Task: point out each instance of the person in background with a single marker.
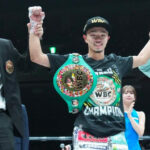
(145, 69)
(134, 120)
(11, 120)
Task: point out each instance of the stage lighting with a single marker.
(52, 49)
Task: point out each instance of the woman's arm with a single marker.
(139, 128)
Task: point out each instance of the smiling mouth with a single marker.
(98, 44)
(129, 99)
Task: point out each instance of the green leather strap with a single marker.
(74, 81)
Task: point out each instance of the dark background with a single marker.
(130, 21)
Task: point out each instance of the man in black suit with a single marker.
(11, 121)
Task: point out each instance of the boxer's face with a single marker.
(96, 38)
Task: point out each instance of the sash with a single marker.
(74, 81)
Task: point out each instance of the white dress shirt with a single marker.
(2, 99)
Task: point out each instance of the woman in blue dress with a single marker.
(134, 120)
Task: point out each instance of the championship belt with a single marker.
(74, 81)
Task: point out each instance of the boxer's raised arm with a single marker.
(35, 32)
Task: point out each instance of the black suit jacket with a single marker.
(11, 61)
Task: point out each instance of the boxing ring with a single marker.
(144, 140)
(66, 138)
(50, 138)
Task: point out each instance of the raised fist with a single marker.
(36, 15)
